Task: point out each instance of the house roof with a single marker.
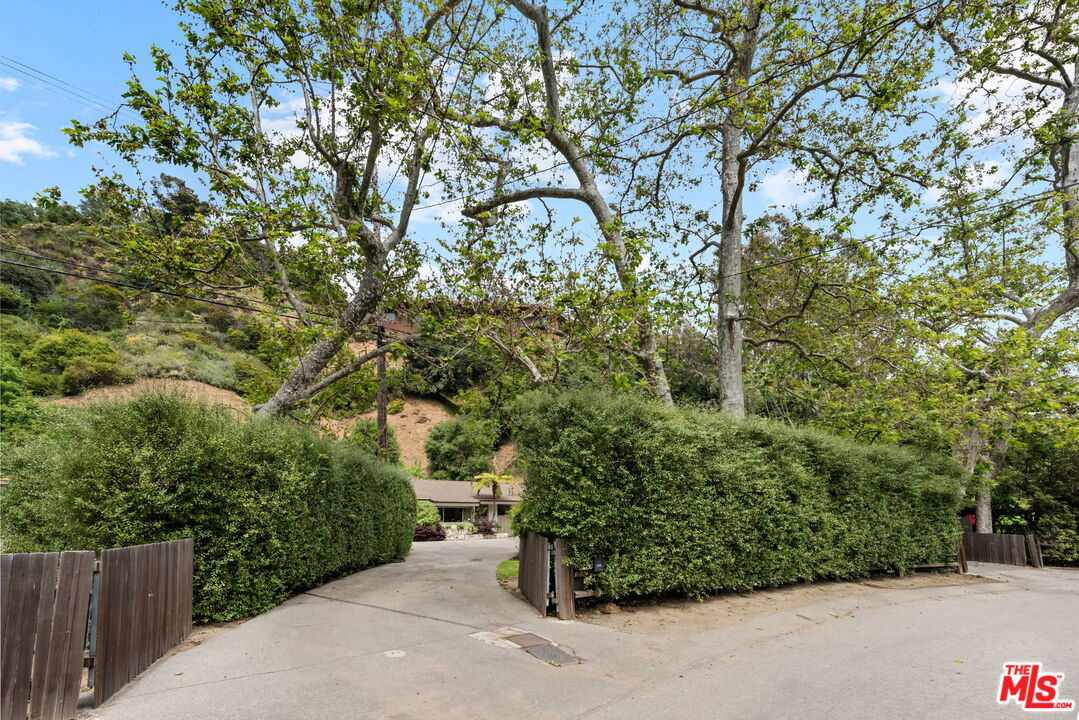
(461, 493)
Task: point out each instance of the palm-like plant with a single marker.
(494, 481)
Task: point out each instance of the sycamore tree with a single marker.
(536, 111)
(828, 89)
(312, 124)
(1001, 292)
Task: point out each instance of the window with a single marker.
(454, 514)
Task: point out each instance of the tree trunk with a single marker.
(729, 280)
(984, 511)
(297, 387)
(653, 365)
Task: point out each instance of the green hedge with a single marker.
(688, 501)
(274, 508)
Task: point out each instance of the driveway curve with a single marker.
(398, 642)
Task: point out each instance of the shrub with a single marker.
(485, 525)
(694, 502)
(429, 533)
(426, 513)
(42, 384)
(98, 307)
(35, 284)
(12, 301)
(245, 337)
(364, 436)
(18, 409)
(86, 373)
(460, 449)
(55, 351)
(219, 319)
(17, 335)
(273, 507)
(395, 406)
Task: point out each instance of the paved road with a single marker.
(395, 642)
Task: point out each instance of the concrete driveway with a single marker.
(397, 642)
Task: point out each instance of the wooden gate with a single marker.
(534, 570)
(145, 609)
(45, 599)
(1002, 548)
(545, 577)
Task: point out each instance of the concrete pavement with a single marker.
(397, 642)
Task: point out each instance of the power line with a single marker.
(763, 266)
(217, 293)
(70, 92)
(52, 77)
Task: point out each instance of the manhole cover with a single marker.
(528, 640)
(550, 654)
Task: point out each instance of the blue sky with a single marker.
(81, 43)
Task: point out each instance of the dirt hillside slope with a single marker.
(187, 389)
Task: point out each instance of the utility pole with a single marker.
(383, 435)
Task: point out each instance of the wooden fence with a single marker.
(1002, 548)
(52, 611)
(45, 599)
(546, 579)
(145, 609)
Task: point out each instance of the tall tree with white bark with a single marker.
(1018, 92)
(822, 86)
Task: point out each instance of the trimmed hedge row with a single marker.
(274, 508)
(693, 502)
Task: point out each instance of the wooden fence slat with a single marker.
(17, 637)
(188, 593)
(7, 598)
(69, 666)
(43, 616)
(563, 582)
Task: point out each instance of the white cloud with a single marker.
(14, 143)
(9, 83)
(994, 94)
(787, 187)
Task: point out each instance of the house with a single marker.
(458, 501)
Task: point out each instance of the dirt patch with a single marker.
(202, 633)
(187, 389)
(506, 460)
(681, 618)
(411, 426)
